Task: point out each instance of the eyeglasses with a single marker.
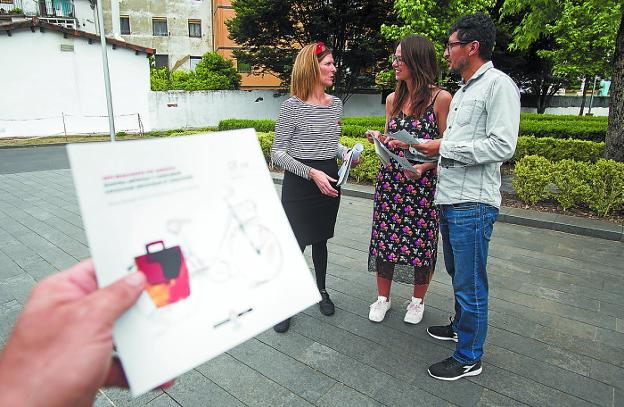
(397, 59)
(451, 44)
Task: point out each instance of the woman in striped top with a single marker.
(306, 146)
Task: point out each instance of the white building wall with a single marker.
(574, 110)
(85, 16)
(180, 109)
(42, 85)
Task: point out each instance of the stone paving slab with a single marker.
(556, 326)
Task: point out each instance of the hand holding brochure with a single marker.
(385, 155)
(352, 155)
(207, 229)
(407, 138)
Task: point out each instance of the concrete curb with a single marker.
(523, 217)
(35, 145)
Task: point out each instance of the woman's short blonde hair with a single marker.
(306, 72)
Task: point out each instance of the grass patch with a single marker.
(121, 136)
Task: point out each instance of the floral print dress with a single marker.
(404, 236)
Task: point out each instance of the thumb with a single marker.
(110, 302)
(332, 179)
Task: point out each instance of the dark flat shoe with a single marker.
(326, 305)
(282, 326)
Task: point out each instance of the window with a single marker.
(194, 61)
(194, 28)
(124, 25)
(161, 61)
(243, 67)
(159, 26)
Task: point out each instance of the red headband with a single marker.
(319, 47)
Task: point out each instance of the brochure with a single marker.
(406, 137)
(385, 155)
(200, 217)
(345, 168)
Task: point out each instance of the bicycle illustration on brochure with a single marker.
(247, 256)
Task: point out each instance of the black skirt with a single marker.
(311, 214)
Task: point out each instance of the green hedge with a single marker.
(559, 149)
(561, 127)
(366, 171)
(551, 148)
(599, 186)
(259, 125)
(369, 122)
(566, 117)
(580, 130)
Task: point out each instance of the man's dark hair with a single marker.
(476, 27)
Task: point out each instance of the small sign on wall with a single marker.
(67, 47)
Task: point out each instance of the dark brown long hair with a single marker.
(419, 55)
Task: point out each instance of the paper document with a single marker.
(408, 138)
(385, 155)
(207, 229)
(343, 171)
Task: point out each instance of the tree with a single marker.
(271, 32)
(213, 72)
(533, 73)
(431, 18)
(599, 18)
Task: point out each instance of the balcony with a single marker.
(60, 12)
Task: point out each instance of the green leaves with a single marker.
(599, 186)
(431, 18)
(270, 33)
(213, 72)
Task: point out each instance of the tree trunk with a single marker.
(614, 143)
(583, 97)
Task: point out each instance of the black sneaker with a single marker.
(443, 332)
(450, 369)
(282, 326)
(326, 305)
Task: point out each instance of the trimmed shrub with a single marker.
(355, 131)
(606, 180)
(558, 149)
(572, 180)
(566, 117)
(580, 130)
(600, 186)
(372, 122)
(532, 174)
(368, 167)
(259, 125)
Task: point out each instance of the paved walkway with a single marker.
(556, 329)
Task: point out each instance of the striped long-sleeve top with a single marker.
(306, 132)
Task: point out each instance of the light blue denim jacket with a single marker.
(482, 132)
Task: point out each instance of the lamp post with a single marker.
(107, 85)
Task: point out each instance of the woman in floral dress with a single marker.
(404, 235)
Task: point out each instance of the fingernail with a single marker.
(136, 279)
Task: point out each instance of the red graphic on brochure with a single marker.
(166, 273)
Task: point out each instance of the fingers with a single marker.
(115, 299)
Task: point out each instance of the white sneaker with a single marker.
(379, 308)
(415, 311)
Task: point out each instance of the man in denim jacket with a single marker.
(482, 131)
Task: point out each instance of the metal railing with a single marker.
(11, 7)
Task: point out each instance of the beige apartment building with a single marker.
(222, 44)
(180, 31)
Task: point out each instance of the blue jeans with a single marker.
(466, 230)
